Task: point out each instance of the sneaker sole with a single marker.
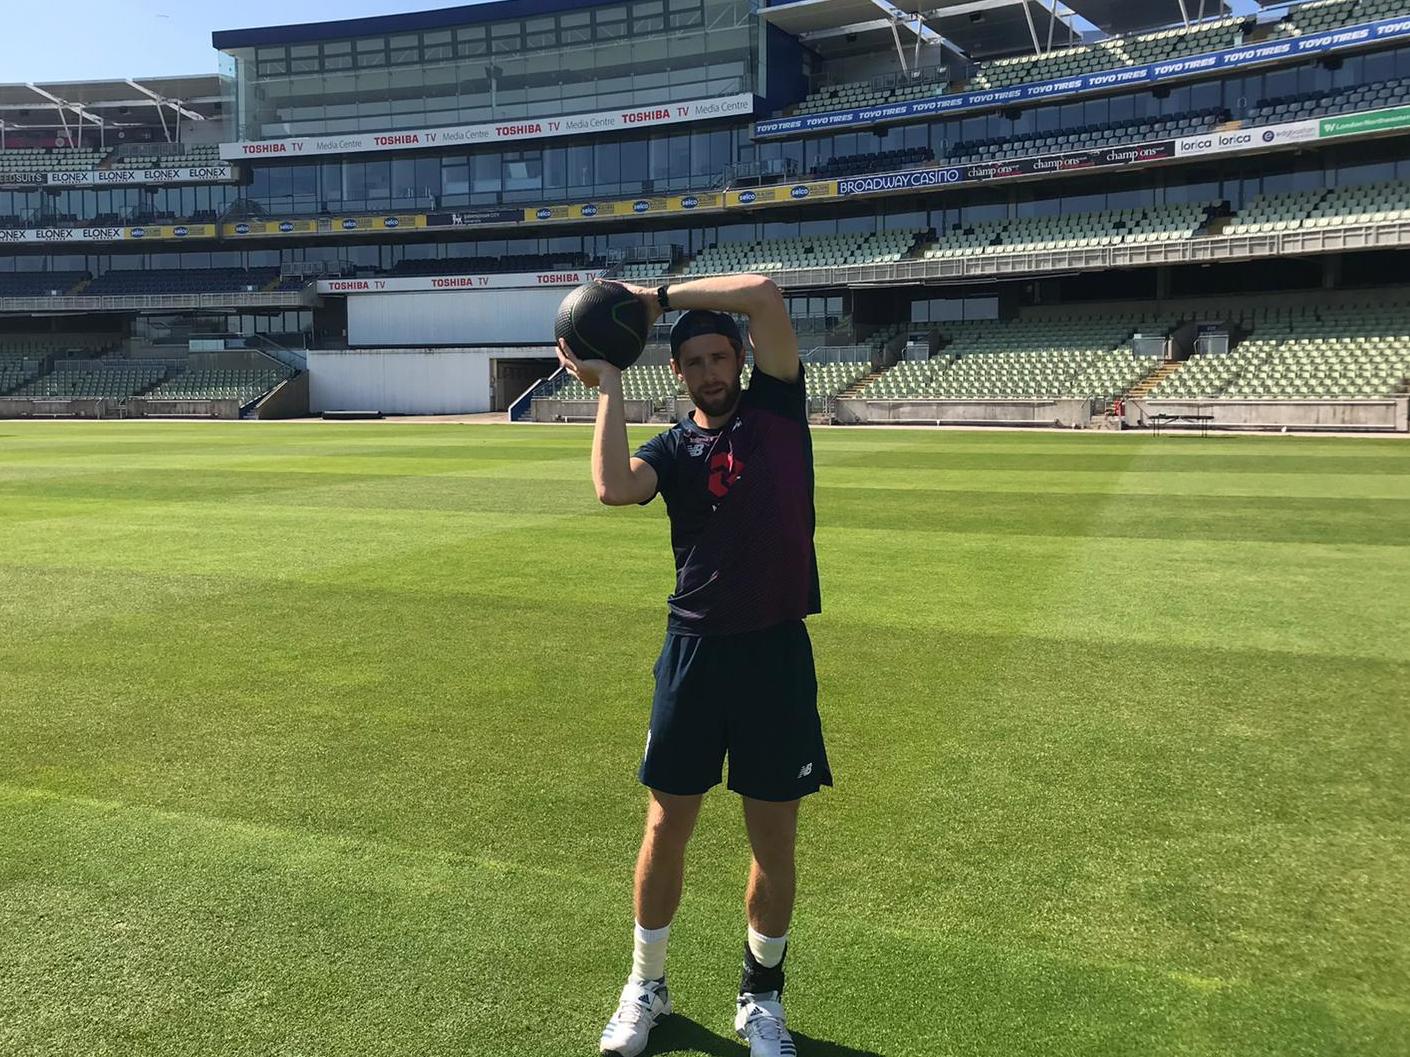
(666, 1012)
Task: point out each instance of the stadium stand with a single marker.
(182, 281)
(1320, 104)
(88, 380)
(1332, 14)
(883, 161)
(658, 383)
(1064, 62)
(1294, 210)
(1109, 134)
(637, 272)
(855, 94)
(154, 156)
(37, 159)
(16, 371)
(1072, 231)
(1178, 42)
(514, 262)
(1055, 356)
(38, 346)
(244, 386)
(1112, 53)
(807, 251)
(40, 284)
(1346, 352)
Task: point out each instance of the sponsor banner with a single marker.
(626, 207)
(173, 231)
(914, 179)
(378, 223)
(470, 217)
(1354, 124)
(63, 235)
(23, 179)
(752, 196)
(703, 200)
(1241, 139)
(117, 177)
(1106, 80)
(498, 132)
(401, 284)
(271, 227)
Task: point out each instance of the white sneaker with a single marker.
(642, 1006)
(760, 1022)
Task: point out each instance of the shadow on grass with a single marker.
(678, 1034)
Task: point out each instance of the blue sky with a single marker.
(102, 39)
(86, 40)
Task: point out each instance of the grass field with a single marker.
(319, 740)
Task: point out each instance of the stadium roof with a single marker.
(973, 27)
(380, 25)
(130, 103)
(1126, 16)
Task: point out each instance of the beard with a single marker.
(718, 403)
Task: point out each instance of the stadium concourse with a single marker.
(993, 212)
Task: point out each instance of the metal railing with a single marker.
(1209, 248)
(138, 302)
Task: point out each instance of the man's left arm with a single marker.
(755, 296)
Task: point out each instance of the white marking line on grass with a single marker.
(337, 842)
(909, 933)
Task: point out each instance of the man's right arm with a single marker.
(620, 480)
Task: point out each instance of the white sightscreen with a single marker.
(472, 317)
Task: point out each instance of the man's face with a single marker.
(710, 369)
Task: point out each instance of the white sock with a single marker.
(767, 950)
(649, 953)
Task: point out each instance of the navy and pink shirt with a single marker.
(740, 500)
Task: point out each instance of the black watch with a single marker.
(663, 298)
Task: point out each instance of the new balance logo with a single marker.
(807, 770)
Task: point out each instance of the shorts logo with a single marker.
(725, 470)
(806, 770)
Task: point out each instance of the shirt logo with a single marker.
(725, 470)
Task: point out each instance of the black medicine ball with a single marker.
(603, 321)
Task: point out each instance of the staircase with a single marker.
(1149, 382)
(856, 387)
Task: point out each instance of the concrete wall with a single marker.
(965, 412)
(288, 400)
(407, 381)
(1385, 415)
(479, 317)
(585, 410)
(26, 407)
(143, 408)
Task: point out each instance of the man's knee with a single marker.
(670, 821)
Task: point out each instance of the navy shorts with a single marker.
(752, 697)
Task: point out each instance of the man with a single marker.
(735, 677)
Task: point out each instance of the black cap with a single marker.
(700, 321)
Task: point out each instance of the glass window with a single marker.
(436, 47)
(337, 56)
(405, 49)
(303, 58)
(470, 42)
(505, 38)
(540, 33)
(576, 27)
(610, 23)
(648, 16)
(686, 14)
(372, 52)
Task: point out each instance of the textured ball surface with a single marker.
(603, 321)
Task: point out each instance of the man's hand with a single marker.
(647, 296)
(590, 372)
